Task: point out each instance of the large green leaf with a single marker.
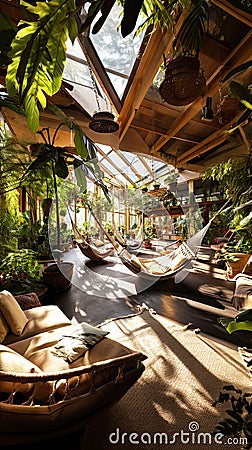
(38, 55)
(191, 34)
(81, 178)
(239, 91)
(131, 12)
(79, 141)
(61, 168)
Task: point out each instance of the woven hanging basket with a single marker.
(103, 122)
(227, 109)
(184, 81)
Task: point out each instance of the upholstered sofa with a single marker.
(47, 382)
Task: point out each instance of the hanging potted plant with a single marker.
(184, 79)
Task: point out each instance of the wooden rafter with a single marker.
(125, 160)
(160, 43)
(239, 14)
(240, 54)
(118, 169)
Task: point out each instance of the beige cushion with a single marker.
(40, 320)
(12, 312)
(4, 328)
(97, 242)
(105, 349)
(10, 361)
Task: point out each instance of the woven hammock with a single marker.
(89, 250)
(164, 266)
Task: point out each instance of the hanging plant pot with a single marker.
(175, 210)
(227, 109)
(184, 81)
(103, 122)
(58, 279)
(167, 196)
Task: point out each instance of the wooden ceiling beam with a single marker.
(160, 43)
(244, 138)
(110, 174)
(146, 165)
(239, 14)
(241, 53)
(211, 141)
(126, 161)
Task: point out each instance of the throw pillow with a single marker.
(4, 328)
(73, 345)
(12, 312)
(11, 361)
(28, 301)
(97, 242)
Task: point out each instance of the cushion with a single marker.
(75, 343)
(40, 320)
(103, 350)
(97, 242)
(27, 301)
(4, 328)
(242, 296)
(12, 312)
(10, 361)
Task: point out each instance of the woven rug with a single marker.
(185, 371)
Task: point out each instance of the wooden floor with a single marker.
(202, 297)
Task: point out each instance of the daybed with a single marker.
(48, 384)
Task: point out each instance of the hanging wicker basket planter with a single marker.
(175, 210)
(184, 81)
(103, 122)
(227, 109)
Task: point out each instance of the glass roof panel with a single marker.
(116, 53)
(77, 72)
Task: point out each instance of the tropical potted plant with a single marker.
(237, 252)
(20, 272)
(149, 234)
(58, 276)
(234, 177)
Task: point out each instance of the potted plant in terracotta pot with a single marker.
(237, 252)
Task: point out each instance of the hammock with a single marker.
(89, 250)
(165, 266)
(130, 244)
